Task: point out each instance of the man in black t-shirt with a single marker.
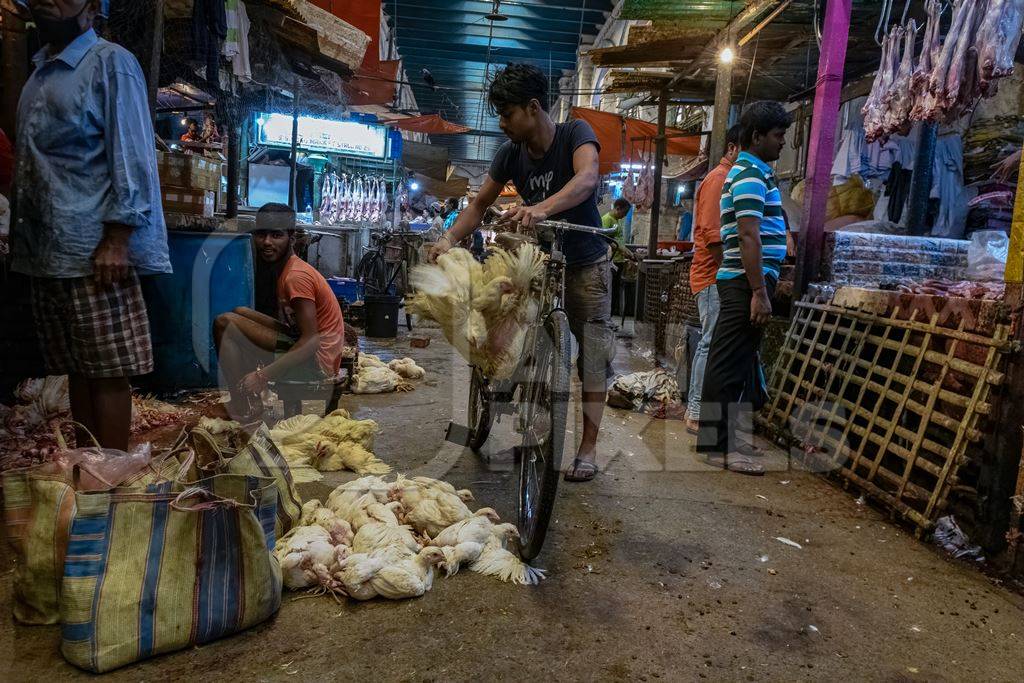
(555, 170)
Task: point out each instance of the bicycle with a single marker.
(387, 262)
(537, 394)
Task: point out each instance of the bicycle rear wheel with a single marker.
(543, 401)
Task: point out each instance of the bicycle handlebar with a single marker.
(558, 225)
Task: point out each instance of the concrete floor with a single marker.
(660, 569)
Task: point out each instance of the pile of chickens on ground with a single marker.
(378, 538)
(950, 75)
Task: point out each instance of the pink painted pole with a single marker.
(822, 142)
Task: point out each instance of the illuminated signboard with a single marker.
(323, 135)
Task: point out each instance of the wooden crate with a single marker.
(893, 401)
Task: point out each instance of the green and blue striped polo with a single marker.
(750, 190)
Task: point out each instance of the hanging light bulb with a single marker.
(726, 55)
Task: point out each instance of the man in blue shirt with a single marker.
(753, 247)
(88, 219)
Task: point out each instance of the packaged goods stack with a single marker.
(189, 183)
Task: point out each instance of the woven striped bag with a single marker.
(38, 509)
(258, 456)
(153, 572)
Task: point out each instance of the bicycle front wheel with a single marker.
(479, 411)
(543, 400)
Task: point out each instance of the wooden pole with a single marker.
(822, 142)
(720, 122)
(659, 162)
(14, 61)
(154, 47)
(921, 184)
(295, 147)
(234, 141)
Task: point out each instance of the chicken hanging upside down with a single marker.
(483, 309)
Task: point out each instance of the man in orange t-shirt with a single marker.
(707, 256)
(304, 342)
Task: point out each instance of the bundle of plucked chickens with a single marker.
(374, 376)
(951, 74)
(378, 538)
(28, 429)
(484, 309)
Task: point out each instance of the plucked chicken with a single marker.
(483, 309)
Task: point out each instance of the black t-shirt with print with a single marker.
(538, 179)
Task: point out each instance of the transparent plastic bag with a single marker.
(99, 469)
(986, 256)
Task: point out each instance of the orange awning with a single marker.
(432, 124)
(373, 84)
(625, 140)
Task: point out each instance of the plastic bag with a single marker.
(100, 468)
(986, 256)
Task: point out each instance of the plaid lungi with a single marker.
(85, 329)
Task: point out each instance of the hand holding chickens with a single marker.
(441, 247)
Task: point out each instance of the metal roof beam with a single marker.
(497, 57)
(568, 17)
(480, 42)
(427, 24)
(458, 24)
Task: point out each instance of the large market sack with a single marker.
(255, 454)
(39, 505)
(148, 573)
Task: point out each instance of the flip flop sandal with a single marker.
(581, 471)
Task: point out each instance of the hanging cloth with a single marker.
(236, 45)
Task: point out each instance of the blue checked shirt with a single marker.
(750, 191)
(85, 157)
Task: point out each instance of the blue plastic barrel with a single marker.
(213, 273)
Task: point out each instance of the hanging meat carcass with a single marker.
(900, 98)
(327, 198)
(931, 47)
(645, 188)
(343, 198)
(935, 105)
(960, 80)
(998, 38)
(629, 188)
(875, 107)
(374, 204)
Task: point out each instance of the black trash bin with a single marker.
(382, 315)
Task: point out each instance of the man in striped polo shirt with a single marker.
(754, 245)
